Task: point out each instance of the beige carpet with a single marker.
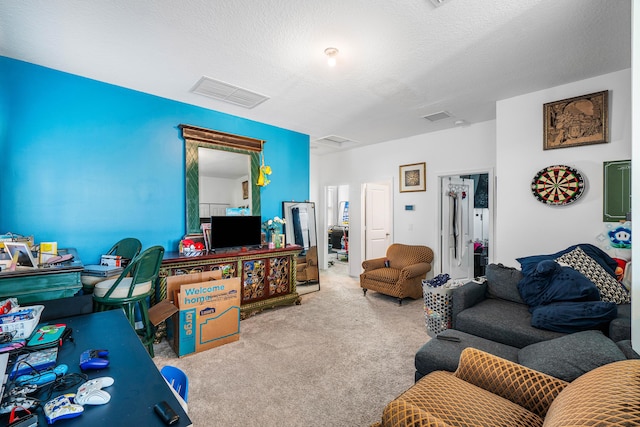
(334, 360)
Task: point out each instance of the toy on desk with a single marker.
(7, 305)
(12, 402)
(28, 420)
(47, 336)
(13, 345)
(91, 393)
(17, 397)
(34, 362)
(93, 359)
(42, 378)
(62, 407)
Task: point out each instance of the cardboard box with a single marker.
(111, 260)
(208, 312)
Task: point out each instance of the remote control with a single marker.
(166, 413)
(448, 338)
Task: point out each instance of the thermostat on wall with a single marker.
(409, 207)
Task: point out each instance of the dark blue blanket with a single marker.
(528, 264)
(562, 299)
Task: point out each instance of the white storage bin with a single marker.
(23, 329)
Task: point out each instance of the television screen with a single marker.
(235, 231)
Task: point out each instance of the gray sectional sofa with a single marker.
(494, 310)
(492, 317)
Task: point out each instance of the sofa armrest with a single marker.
(415, 270)
(400, 413)
(466, 296)
(373, 264)
(526, 387)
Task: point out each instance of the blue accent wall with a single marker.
(86, 163)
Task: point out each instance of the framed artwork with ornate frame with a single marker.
(582, 120)
(413, 177)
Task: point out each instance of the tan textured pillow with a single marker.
(610, 289)
(607, 396)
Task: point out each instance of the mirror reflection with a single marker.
(300, 229)
(223, 178)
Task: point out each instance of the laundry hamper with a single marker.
(437, 307)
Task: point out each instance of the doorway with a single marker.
(466, 224)
(337, 227)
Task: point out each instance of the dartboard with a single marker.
(557, 185)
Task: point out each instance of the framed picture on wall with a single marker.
(413, 177)
(581, 120)
(245, 189)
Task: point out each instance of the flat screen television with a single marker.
(235, 231)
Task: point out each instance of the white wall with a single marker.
(449, 151)
(524, 226)
(221, 190)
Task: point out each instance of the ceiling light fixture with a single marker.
(331, 53)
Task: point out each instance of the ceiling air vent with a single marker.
(228, 93)
(335, 141)
(437, 116)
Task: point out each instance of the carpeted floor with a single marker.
(335, 360)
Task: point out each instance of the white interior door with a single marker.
(377, 227)
(457, 227)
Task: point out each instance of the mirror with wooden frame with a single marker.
(196, 139)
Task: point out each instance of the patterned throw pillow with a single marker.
(610, 289)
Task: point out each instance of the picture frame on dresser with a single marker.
(25, 256)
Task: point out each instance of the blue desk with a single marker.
(138, 384)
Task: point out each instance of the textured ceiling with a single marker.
(399, 60)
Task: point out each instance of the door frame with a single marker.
(492, 212)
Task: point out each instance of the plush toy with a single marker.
(620, 237)
(622, 264)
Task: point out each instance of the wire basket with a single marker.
(437, 308)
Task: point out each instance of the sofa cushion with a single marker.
(572, 355)
(386, 275)
(502, 282)
(610, 289)
(443, 355)
(607, 396)
(502, 321)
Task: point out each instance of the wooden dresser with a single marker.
(267, 276)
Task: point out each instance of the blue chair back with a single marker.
(177, 379)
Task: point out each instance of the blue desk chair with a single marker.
(177, 379)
